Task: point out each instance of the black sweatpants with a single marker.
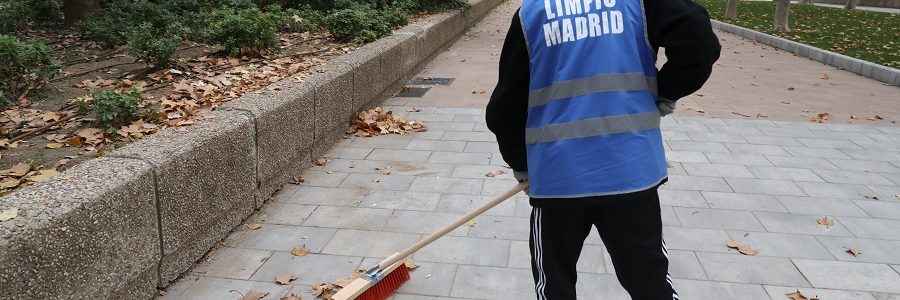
(632, 233)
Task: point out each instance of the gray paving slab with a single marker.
(378, 181)
(436, 145)
(464, 203)
(684, 264)
(283, 213)
(739, 129)
(872, 250)
(696, 239)
(681, 198)
(779, 173)
(323, 179)
(421, 222)
(405, 200)
(470, 136)
(382, 142)
(782, 245)
(348, 242)
(852, 177)
(699, 289)
(772, 140)
(829, 143)
(697, 146)
(764, 186)
(323, 196)
(309, 269)
(750, 269)
(476, 282)
(849, 275)
(481, 147)
(697, 183)
(717, 170)
(873, 228)
(210, 288)
(800, 224)
(233, 263)
(801, 162)
(497, 227)
(481, 172)
(880, 209)
(821, 206)
(669, 135)
(461, 250)
(717, 219)
(716, 137)
(280, 238)
(738, 201)
(686, 156)
(349, 152)
(738, 159)
(835, 190)
(399, 155)
(756, 149)
(447, 185)
(780, 293)
(363, 218)
(460, 158)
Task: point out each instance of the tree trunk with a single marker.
(782, 8)
(851, 4)
(77, 10)
(731, 10)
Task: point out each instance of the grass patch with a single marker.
(870, 36)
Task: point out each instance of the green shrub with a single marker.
(113, 110)
(152, 46)
(116, 17)
(361, 24)
(294, 20)
(45, 12)
(11, 19)
(26, 66)
(240, 30)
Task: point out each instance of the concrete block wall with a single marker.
(120, 226)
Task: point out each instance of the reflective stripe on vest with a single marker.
(593, 125)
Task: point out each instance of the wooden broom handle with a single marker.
(396, 257)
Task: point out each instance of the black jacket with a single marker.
(680, 26)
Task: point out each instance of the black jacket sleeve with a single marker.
(680, 26)
(683, 28)
(508, 108)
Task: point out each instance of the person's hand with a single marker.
(665, 106)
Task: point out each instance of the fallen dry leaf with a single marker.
(291, 297)
(413, 109)
(376, 180)
(744, 249)
(285, 278)
(300, 251)
(471, 223)
(479, 91)
(297, 180)
(254, 295)
(322, 161)
(895, 196)
(18, 170)
(820, 118)
(9, 214)
(43, 175)
(386, 170)
(797, 295)
(872, 197)
(855, 252)
(323, 290)
(410, 264)
(378, 121)
(495, 173)
(825, 221)
(54, 145)
(254, 226)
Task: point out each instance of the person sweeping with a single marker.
(576, 113)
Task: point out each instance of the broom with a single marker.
(379, 282)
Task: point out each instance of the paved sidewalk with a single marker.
(759, 181)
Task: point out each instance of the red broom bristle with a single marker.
(384, 288)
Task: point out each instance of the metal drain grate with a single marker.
(431, 81)
(413, 92)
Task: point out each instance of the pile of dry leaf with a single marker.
(378, 121)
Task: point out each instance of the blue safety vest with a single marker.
(593, 124)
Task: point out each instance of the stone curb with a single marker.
(863, 68)
(120, 226)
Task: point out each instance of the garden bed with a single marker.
(84, 111)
